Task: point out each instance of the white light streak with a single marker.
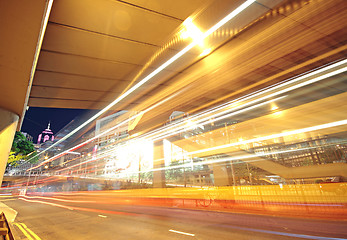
(178, 127)
(297, 131)
(247, 156)
(101, 134)
(155, 72)
(183, 233)
(206, 120)
(219, 112)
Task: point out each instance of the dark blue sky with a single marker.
(36, 119)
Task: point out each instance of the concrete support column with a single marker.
(8, 125)
(158, 162)
(222, 174)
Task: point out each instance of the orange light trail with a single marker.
(167, 63)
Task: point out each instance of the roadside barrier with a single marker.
(5, 230)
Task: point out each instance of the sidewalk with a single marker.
(9, 212)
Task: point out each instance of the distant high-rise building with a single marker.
(46, 135)
(28, 136)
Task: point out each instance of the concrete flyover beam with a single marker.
(22, 25)
(8, 125)
(22, 29)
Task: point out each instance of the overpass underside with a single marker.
(84, 64)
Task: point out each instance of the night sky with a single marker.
(36, 119)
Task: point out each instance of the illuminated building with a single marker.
(46, 135)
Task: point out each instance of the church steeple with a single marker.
(49, 124)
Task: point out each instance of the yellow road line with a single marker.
(27, 231)
(23, 230)
(31, 232)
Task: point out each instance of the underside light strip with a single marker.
(227, 18)
(155, 72)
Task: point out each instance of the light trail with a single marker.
(276, 91)
(206, 162)
(293, 132)
(183, 233)
(100, 156)
(166, 132)
(101, 134)
(219, 24)
(203, 121)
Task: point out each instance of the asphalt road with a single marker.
(51, 219)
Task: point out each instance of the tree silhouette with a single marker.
(21, 148)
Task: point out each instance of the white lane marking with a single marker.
(102, 216)
(184, 233)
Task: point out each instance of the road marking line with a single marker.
(102, 216)
(31, 232)
(184, 233)
(25, 232)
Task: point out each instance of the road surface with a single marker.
(51, 219)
